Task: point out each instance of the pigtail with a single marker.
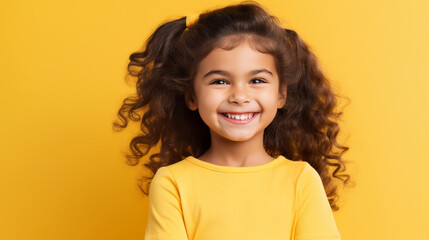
(151, 68)
(310, 118)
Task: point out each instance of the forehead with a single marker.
(261, 44)
(236, 54)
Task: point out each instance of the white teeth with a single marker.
(239, 116)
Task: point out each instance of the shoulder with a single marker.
(309, 181)
(166, 181)
(308, 172)
(162, 179)
(301, 173)
(301, 168)
(298, 169)
(171, 172)
(172, 179)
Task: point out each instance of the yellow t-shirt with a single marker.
(197, 200)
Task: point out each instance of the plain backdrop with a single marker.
(62, 170)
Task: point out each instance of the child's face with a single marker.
(237, 92)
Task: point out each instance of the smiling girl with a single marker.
(246, 126)
(237, 96)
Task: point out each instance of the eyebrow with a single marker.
(225, 73)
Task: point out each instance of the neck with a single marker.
(236, 153)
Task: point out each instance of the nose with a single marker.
(239, 95)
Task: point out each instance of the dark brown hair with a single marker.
(305, 128)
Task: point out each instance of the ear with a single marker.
(282, 97)
(190, 101)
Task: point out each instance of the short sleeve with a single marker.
(165, 218)
(314, 218)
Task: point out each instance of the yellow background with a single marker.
(62, 172)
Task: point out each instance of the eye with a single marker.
(257, 80)
(218, 81)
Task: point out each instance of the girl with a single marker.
(246, 126)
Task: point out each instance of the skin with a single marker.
(239, 81)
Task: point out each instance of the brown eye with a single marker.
(219, 81)
(257, 80)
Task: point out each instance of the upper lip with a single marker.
(239, 112)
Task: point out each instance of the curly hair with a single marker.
(306, 128)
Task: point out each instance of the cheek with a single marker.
(209, 98)
(208, 103)
(270, 99)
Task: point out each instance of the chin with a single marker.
(239, 138)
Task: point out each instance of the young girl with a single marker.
(246, 126)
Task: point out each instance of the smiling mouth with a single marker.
(239, 116)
